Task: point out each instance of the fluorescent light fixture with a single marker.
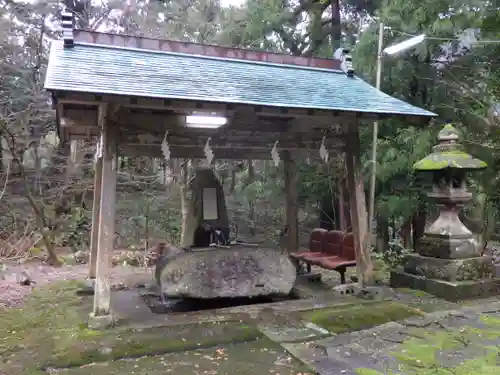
(399, 47)
(207, 122)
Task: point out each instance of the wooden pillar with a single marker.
(357, 203)
(292, 211)
(96, 204)
(188, 225)
(341, 200)
(101, 315)
(251, 202)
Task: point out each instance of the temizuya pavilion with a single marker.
(132, 91)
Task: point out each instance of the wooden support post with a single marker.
(292, 212)
(341, 200)
(357, 203)
(251, 202)
(188, 223)
(101, 315)
(96, 204)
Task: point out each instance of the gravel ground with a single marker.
(13, 294)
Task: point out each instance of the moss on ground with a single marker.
(414, 292)
(420, 355)
(486, 365)
(255, 358)
(116, 344)
(368, 371)
(362, 316)
(50, 331)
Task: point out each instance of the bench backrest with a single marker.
(348, 247)
(333, 243)
(317, 240)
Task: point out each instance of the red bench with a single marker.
(333, 250)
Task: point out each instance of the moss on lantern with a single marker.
(452, 156)
(450, 159)
(448, 133)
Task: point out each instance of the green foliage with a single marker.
(452, 76)
(78, 230)
(457, 79)
(394, 255)
(316, 180)
(148, 216)
(399, 189)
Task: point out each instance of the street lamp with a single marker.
(409, 43)
(391, 50)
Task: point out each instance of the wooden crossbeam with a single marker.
(189, 106)
(145, 131)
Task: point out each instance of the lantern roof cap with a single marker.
(449, 154)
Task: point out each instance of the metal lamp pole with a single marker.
(391, 50)
(373, 175)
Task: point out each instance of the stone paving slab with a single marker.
(307, 331)
(317, 359)
(449, 337)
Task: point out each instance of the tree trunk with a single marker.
(41, 219)
(357, 200)
(393, 225)
(233, 178)
(418, 224)
(406, 233)
(336, 34)
(382, 235)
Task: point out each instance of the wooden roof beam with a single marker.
(141, 124)
(188, 106)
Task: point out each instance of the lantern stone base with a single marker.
(450, 269)
(438, 246)
(448, 290)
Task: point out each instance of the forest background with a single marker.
(46, 185)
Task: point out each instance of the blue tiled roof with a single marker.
(101, 69)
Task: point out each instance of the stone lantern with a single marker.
(448, 261)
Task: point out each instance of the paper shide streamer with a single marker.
(275, 154)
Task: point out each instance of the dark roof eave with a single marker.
(56, 93)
